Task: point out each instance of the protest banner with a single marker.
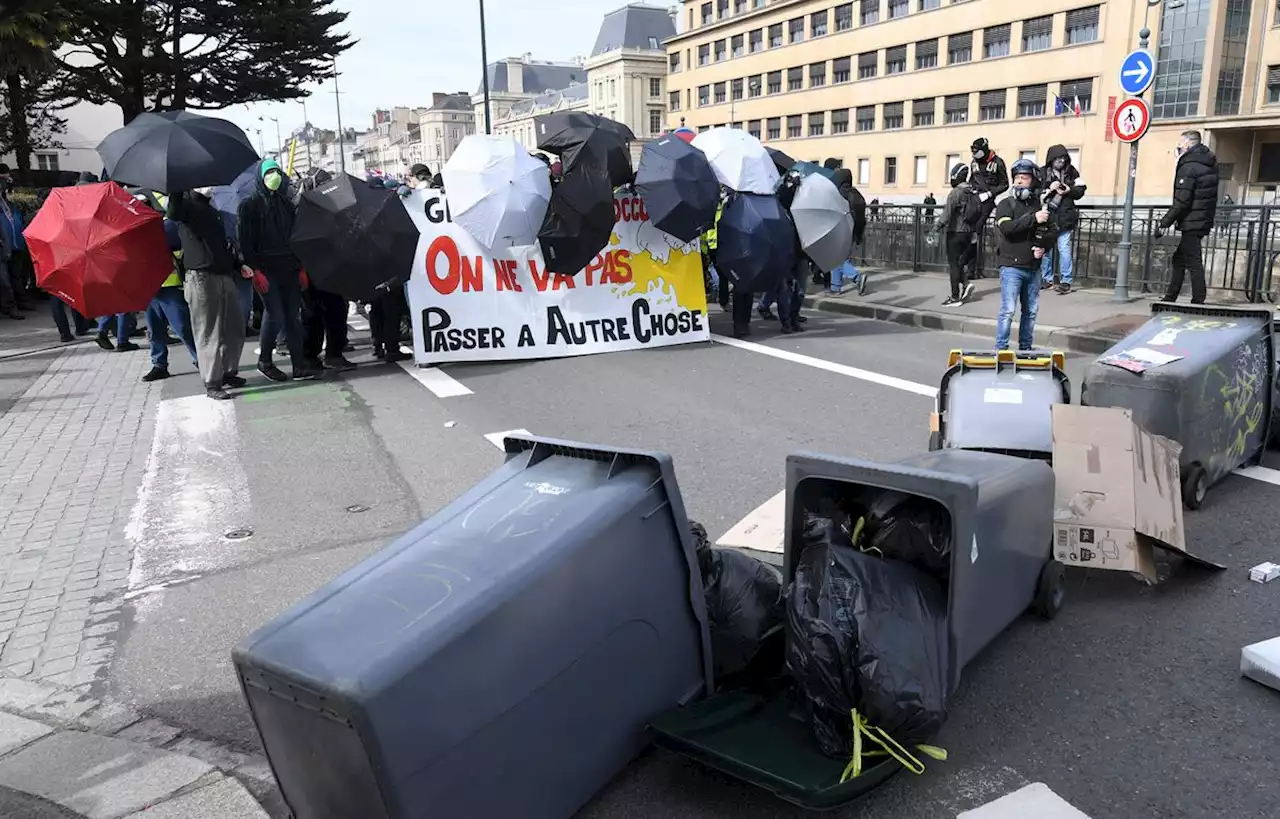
(470, 303)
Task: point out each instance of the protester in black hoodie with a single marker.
(1195, 206)
(1064, 188)
(988, 178)
(958, 234)
(1017, 218)
(324, 313)
(858, 209)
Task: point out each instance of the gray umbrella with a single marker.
(823, 222)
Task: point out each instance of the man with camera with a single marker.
(1063, 188)
(1023, 229)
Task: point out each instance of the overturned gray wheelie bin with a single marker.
(995, 513)
(1201, 375)
(500, 660)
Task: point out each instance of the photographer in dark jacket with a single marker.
(1195, 205)
(1018, 217)
(1064, 189)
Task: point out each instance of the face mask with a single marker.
(1021, 194)
(273, 180)
(1059, 163)
(979, 155)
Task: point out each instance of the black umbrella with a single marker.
(579, 221)
(756, 241)
(781, 160)
(176, 151)
(352, 237)
(678, 186)
(578, 137)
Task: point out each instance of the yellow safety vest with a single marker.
(174, 280)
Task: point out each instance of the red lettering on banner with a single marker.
(446, 281)
(506, 270)
(472, 274)
(540, 277)
(617, 267)
(449, 272)
(563, 279)
(629, 209)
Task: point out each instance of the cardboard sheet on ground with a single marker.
(1119, 492)
(763, 530)
(1260, 662)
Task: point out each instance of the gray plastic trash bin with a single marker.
(1201, 375)
(501, 659)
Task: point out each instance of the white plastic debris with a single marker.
(1264, 572)
(1260, 662)
(449, 424)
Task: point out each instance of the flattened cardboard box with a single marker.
(1118, 492)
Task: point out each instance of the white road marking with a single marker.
(762, 530)
(358, 323)
(1034, 800)
(830, 366)
(440, 383)
(496, 438)
(1260, 473)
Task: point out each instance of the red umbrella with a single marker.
(99, 249)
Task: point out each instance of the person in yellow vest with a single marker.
(709, 240)
(168, 309)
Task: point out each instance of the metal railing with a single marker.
(1239, 254)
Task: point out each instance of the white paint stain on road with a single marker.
(1035, 800)
(497, 438)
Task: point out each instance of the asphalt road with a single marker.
(1128, 705)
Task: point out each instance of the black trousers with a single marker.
(385, 315)
(742, 304)
(326, 323)
(959, 250)
(1188, 258)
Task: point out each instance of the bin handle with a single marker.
(891, 747)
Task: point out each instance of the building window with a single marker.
(950, 162)
(995, 42)
(1180, 60)
(795, 30)
(755, 40)
(867, 65)
(735, 45)
(929, 5)
(1273, 84)
(1031, 155)
(840, 69)
(795, 79)
(1235, 41)
(892, 115)
(719, 96)
(890, 170)
(898, 8)
(1031, 100)
(754, 86)
(655, 88)
(739, 6)
(960, 48)
(673, 63)
(706, 14)
(704, 55)
(721, 52)
(922, 112)
(735, 90)
(1037, 33)
(817, 123)
(926, 54)
(895, 60)
(722, 9)
(704, 95)
(817, 75)
(47, 162)
(1082, 25)
(753, 128)
(655, 121)
(956, 107)
(1078, 93)
(991, 105)
(674, 101)
(866, 118)
(775, 35)
(774, 128)
(921, 175)
(775, 82)
(844, 17)
(840, 121)
(794, 127)
(864, 171)
(818, 24)
(870, 12)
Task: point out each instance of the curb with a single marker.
(1047, 336)
(52, 739)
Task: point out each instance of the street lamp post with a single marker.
(279, 141)
(306, 137)
(484, 71)
(337, 103)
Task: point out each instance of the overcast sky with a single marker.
(409, 48)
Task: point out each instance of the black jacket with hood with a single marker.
(951, 219)
(1016, 222)
(1066, 216)
(265, 223)
(989, 175)
(200, 227)
(1195, 193)
(857, 205)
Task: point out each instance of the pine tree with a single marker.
(30, 99)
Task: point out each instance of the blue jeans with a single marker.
(244, 287)
(844, 271)
(1017, 285)
(124, 325)
(1065, 262)
(168, 309)
(282, 305)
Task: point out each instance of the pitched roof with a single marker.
(454, 102)
(635, 25)
(538, 76)
(549, 102)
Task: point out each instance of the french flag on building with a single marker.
(1061, 106)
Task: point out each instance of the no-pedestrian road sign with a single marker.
(1137, 72)
(1130, 120)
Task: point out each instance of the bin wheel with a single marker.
(1194, 485)
(1051, 590)
(935, 441)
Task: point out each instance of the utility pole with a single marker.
(1124, 248)
(306, 137)
(337, 103)
(484, 73)
(279, 141)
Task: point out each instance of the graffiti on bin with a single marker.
(1196, 324)
(1238, 398)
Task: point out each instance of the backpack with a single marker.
(971, 215)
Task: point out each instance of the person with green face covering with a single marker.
(265, 222)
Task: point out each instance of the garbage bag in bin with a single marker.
(744, 603)
(501, 659)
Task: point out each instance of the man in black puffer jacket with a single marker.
(1195, 204)
(1063, 187)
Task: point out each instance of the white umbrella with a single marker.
(823, 222)
(740, 161)
(496, 190)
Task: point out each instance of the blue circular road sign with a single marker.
(1137, 72)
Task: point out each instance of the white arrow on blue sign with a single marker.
(1137, 72)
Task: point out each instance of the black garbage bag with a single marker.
(868, 634)
(745, 602)
(912, 529)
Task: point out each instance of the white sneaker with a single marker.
(967, 292)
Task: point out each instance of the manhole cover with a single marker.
(239, 534)
(357, 507)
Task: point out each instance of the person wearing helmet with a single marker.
(1017, 218)
(988, 178)
(954, 223)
